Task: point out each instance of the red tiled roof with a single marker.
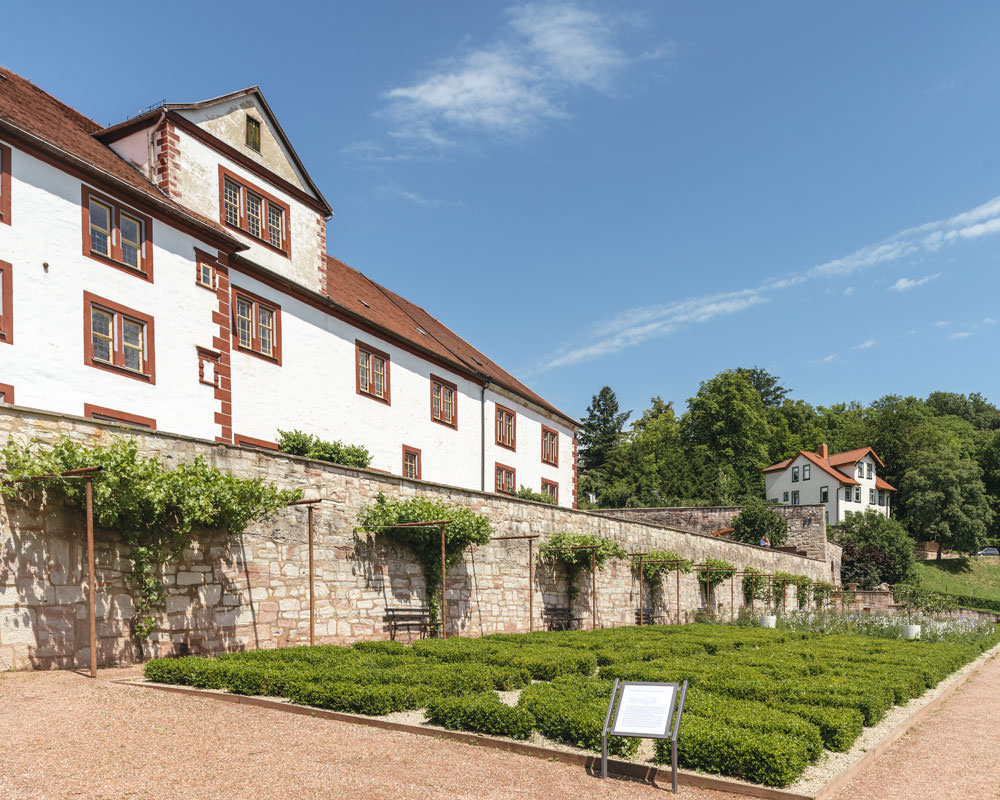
(853, 456)
(398, 316)
(881, 484)
(813, 458)
(27, 109)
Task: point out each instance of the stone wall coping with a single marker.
(399, 480)
(703, 508)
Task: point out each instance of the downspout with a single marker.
(482, 433)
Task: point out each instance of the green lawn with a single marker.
(978, 577)
(762, 706)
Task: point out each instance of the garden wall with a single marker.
(806, 524)
(231, 594)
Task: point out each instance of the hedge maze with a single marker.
(762, 704)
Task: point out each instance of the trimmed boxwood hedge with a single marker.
(482, 713)
(761, 704)
(711, 746)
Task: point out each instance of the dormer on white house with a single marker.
(173, 271)
(845, 483)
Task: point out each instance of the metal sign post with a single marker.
(644, 710)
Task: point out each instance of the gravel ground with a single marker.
(951, 753)
(66, 736)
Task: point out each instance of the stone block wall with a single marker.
(806, 524)
(251, 591)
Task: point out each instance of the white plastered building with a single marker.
(171, 272)
(845, 483)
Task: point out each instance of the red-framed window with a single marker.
(372, 372)
(256, 325)
(506, 479)
(6, 303)
(117, 235)
(411, 462)
(121, 417)
(506, 427)
(551, 488)
(118, 339)
(250, 441)
(250, 209)
(4, 184)
(6, 393)
(204, 274)
(444, 402)
(550, 446)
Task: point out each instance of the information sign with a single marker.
(644, 710)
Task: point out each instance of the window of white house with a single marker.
(795, 474)
(505, 479)
(119, 339)
(795, 498)
(117, 236)
(256, 325)
(857, 494)
(806, 471)
(848, 494)
(784, 497)
(443, 402)
(824, 494)
(506, 429)
(861, 470)
(372, 372)
(254, 211)
(870, 470)
(881, 497)
(871, 496)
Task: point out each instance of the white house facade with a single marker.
(171, 272)
(845, 483)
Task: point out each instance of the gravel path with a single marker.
(66, 736)
(951, 753)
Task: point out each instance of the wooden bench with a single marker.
(645, 616)
(561, 619)
(411, 618)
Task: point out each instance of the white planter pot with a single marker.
(771, 621)
(911, 631)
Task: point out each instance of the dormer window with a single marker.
(253, 134)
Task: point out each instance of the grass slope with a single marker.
(972, 576)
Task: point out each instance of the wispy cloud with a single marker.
(509, 88)
(960, 335)
(904, 284)
(848, 291)
(865, 344)
(829, 358)
(989, 321)
(641, 324)
(393, 190)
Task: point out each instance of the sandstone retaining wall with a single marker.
(252, 591)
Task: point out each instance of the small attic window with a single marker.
(421, 331)
(253, 133)
(363, 303)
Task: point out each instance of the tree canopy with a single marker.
(941, 453)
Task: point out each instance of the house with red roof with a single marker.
(845, 483)
(171, 272)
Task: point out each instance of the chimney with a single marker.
(824, 452)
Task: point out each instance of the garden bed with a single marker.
(763, 706)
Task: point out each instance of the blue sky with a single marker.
(637, 194)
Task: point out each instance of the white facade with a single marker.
(196, 379)
(843, 488)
